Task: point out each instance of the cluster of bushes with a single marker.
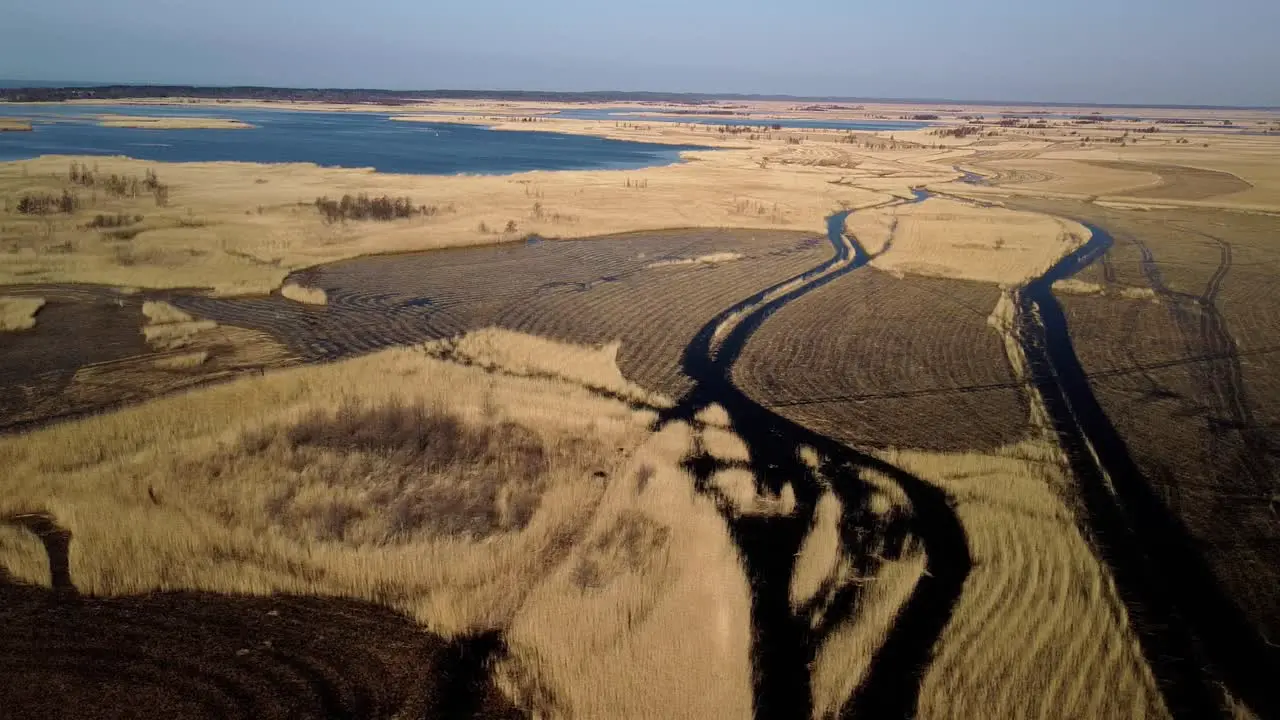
(120, 185)
(46, 203)
(960, 131)
(363, 207)
(113, 221)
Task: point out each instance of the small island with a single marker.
(172, 123)
(14, 125)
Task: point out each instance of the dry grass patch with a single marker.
(183, 361)
(1039, 629)
(709, 259)
(308, 295)
(19, 313)
(161, 313)
(948, 238)
(651, 616)
(468, 497)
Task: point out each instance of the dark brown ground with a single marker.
(77, 326)
(201, 655)
(876, 361)
(595, 290)
(1192, 383)
(87, 353)
(1178, 182)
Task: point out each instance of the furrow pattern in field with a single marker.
(192, 655)
(1038, 632)
(879, 361)
(596, 290)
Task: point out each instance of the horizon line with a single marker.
(615, 95)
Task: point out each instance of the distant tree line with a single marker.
(960, 131)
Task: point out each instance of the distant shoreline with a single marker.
(43, 93)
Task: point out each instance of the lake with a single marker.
(355, 140)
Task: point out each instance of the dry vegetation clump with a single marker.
(117, 220)
(47, 203)
(161, 313)
(169, 328)
(19, 313)
(470, 498)
(302, 294)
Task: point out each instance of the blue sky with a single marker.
(1125, 51)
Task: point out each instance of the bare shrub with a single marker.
(363, 207)
(113, 221)
(47, 203)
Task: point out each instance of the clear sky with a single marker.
(1124, 51)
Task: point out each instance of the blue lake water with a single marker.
(739, 121)
(356, 140)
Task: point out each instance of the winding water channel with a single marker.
(1180, 615)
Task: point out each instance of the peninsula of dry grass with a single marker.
(19, 313)
(303, 294)
(152, 122)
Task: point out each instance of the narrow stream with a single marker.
(1192, 633)
(785, 644)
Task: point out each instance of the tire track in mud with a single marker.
(784, 645)
(1190, 631)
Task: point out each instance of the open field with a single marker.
(171, 123)
(724, 467)
(877, 361)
